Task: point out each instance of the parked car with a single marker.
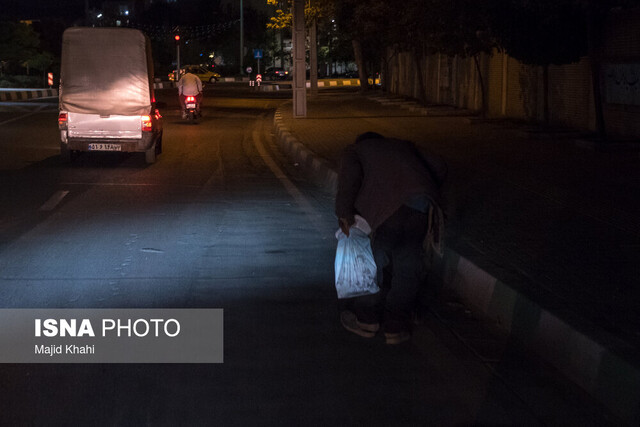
(201, 71)
(275, 73)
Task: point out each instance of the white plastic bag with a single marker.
(355, 267)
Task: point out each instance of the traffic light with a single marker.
(177, 38)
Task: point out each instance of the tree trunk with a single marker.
(313, 58)
(362, 70)
(417, 59)
(594, 27)
(545, 94)
(483, 96)
(282, 64)
(383, 68)
(386, 72)
(386, 82)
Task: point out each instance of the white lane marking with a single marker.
(314, 216)
(54, 200)
(217, 177)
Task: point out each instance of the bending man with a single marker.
(396, 188)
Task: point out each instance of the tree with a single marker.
(20, 47)
(367, 24)
(18, 42)
(542, 33)
(315, 9)
(333, 47)
(450, 27)
(596, 12)
(40, 61)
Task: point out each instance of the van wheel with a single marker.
(150, 154)
(159, 146)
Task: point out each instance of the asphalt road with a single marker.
(222, 220)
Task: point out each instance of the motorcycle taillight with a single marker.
(191, 99)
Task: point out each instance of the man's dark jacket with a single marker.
(377, 176)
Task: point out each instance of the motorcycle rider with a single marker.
(189, 85)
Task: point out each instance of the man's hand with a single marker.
(345, 224)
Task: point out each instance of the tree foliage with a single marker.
(543, 32)
(18, 41)
(313, 10)
(368, 24)
(20, 48)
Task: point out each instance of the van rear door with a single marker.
(104, 127)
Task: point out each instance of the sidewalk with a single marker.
(543, 235)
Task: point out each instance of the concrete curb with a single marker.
(11, 94)
(234, 79)
(414, 107)
(586, 358)
(318, 169)
(164, 85)
(25, 94)
(322, 84)
(171, 84)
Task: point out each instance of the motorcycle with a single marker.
(191, 107)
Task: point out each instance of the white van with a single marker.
(106, 93)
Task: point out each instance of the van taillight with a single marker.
(147, 125)
(62, 120)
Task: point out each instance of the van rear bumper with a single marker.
(126, 145)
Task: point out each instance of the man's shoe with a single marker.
(396, 337)
(369, 327)
(350, 323)
(184, 114)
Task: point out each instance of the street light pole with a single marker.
(298, 54)
(241, 38)
(313, 58)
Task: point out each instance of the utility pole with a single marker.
(298, 54)
(313, 58)
(241, 38)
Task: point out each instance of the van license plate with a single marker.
(105, 147)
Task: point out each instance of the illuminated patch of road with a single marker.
(312, 214)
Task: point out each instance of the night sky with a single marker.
(38, 9)
(74, 9)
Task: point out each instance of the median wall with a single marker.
(25, 94)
